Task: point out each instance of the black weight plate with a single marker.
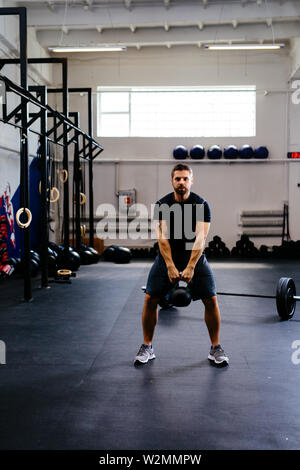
(285, 302)
(279, 299)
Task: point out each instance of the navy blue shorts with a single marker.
(202, 286)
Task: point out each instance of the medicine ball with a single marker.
(214, 152)
(197, 152)
(52, 265)
(34, 255)
(231, 152)
(246, 151)
(11, 261)
(74, 260)
(34, 267)
(86, 257)
(117, 254)
(52, 252)
(57, 248)
(94, 253)
(180, 152)
(261, 152)
(71, 260)
(14, 264)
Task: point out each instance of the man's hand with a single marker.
(173, 273)
(187, 274)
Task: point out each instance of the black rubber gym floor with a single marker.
(69, 380)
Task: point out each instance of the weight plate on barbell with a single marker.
(285, 302)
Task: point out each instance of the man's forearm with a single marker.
(165, 250)
(197, 251)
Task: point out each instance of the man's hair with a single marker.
(181, 167)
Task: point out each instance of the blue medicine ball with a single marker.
(231, 152)
(246, 151)
(214, 152)
(197, 152)
(180, 152)
(261, 152)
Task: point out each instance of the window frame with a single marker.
(172, 89)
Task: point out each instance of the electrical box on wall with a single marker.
(127, 197)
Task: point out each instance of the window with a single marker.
(177, 112)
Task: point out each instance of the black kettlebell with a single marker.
(180, 296)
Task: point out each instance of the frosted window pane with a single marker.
(182, 113)
(114, 102)
(114, 125)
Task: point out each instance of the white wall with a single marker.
(189, 66)
(38, 74)
(228, 188)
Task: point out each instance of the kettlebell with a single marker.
(180, 295)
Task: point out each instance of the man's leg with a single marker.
(212, 319)
(149, 318)
(213, 322)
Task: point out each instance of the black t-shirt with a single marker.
(181, 218)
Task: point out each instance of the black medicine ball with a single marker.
(197, 152)
(180, 152)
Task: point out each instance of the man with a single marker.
(181, 258)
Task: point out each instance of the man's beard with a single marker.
(181, 191)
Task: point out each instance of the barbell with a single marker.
(180, 296)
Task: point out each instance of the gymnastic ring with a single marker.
(40, 186)
(82, 230)
(52, 197)
(63, 176)
(64, 272)
(82, 199)
(29, 217)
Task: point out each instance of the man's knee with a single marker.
(211, 303)
(151, 300)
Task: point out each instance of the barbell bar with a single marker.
(285, 297)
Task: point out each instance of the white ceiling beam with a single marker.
(269, 21)
(144, 14)
(223, 33)
(127, 4)
(50, 5)
(88, 5)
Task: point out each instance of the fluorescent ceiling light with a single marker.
(243, 47)
(87, 48)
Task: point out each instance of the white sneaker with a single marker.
(218, 356)
(144, 355)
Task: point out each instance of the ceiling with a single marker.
(162, 23)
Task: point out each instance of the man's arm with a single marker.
(202, 229)
(165, 250)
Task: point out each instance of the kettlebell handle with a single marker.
(181, 280)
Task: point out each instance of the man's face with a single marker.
(182, 182)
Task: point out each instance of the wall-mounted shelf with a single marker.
(191, 162)
(262, 223)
